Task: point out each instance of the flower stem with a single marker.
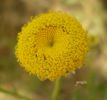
(56, 90)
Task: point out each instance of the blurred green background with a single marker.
(87, 83)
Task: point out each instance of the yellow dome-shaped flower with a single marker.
(52, 45)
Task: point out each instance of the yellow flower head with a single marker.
(52, 45)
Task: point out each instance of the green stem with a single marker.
(56, 90)
(14, 94)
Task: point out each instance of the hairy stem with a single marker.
(56, 90)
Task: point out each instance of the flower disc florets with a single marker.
(52, 45)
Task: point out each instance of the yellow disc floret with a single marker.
(52, 45)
